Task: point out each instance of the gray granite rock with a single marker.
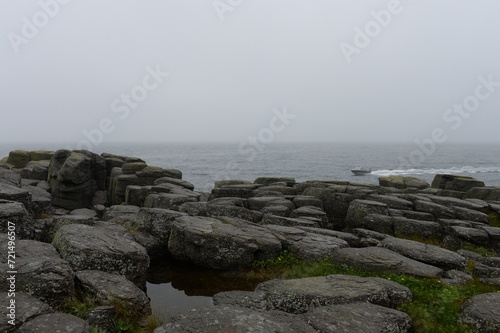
(482, 313)
(379, 259)
(107, 247)
(429, 254)
(301, 295)
(24, 309)
(226, 319)
(40, 271)
(307, 246)
(223, 242)
(358, 318)
(111, 288)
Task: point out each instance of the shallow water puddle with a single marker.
(175, 286)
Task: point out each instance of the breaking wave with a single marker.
(452, 170)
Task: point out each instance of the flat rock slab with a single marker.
(482, 312)
(301, 295)
(106, 247)
(55, 323)
(26, 308)
(230, 319)
(429, 254)
(16, 213)
(110, 288)
(10, 177)
(379, 259)
(222, 242)
(14, 193)
(40, 271)
(359, 318)
(305, 245)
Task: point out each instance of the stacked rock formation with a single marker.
(94, 222)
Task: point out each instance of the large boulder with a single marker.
(358, 317)
(40, 271)
(482, 312)
(428, 254)
(220, 319)
(74, 177)
(19, 158)
(111, 288)
(379, 259)
(489, 193)
(105, 246)
(455, 182)
(222, 242)
(402, 182)
(305, 245)
(25, 309)
(301, 295)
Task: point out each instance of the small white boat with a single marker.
(359, 171)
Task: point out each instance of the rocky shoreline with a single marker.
(88, 222)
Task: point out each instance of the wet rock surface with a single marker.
(105, 247)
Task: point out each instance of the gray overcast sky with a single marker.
(231, 62)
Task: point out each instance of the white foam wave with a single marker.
(452, 170)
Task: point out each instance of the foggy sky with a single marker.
(230, 63)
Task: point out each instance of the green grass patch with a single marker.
(494, 219)
(480, 250)
(435, 306)
(127, 320)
